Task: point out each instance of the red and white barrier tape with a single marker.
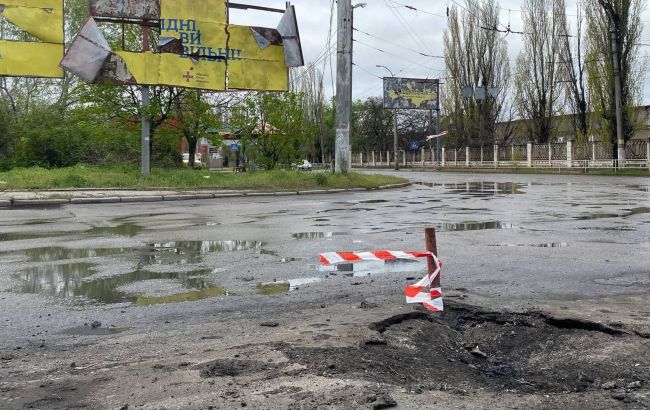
(334, 258)
(421, 292)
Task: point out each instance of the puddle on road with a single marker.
(534, 245)
(190, 296)
(126, 229)
(480, 189)
(70, 280)
(316, 235)
(20, 236)
(373, 201)
(474, 226)
(277, 288)
(55, 253)
(607, 215)
(90, 331)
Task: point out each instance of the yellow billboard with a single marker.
(198, 48)
(42, 19)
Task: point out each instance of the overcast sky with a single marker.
(393, 35)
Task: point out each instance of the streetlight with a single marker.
(395, 142)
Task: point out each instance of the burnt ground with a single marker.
(466, 357)
(468, 349)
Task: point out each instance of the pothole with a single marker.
(467, 348)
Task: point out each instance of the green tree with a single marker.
(624, 17)
(274, 128)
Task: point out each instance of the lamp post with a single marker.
(395, 141)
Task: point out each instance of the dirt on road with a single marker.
(347, 355)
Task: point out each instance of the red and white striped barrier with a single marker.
(421, 292)
(334, 258)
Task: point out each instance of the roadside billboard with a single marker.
(411, 93)
(42, 20)
(198, 48)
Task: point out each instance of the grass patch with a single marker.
(87, 176)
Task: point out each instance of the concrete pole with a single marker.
(496, 155)
(404, 157)
(343, 86)
(442, 158)
(550, 153)
(374, 163)
(467, 153)
(456, 157)
(145, 154)
(395, 142)
(388, 158)
(422, 157)
(481, 155)
(569, 153)
(647, 152)
(361, 159)
(620, 140)
(529, 154)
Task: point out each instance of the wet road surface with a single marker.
(522, 237)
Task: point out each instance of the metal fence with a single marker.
(557, 155)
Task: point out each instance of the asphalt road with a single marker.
(528, 238)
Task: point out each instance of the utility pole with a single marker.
(343, 87)
(620, 139)
(614, 24)
(146, 120)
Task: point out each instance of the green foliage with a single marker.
(129, 176)
(274, 128)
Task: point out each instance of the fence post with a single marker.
(569, 153)
(496, 155)
(481, 156)
(529, 154)
(550, 153)
(467, 154)
(404, 157)
(422, 158)
(647, 152)
(456, 157)
(361, 158)
(442, 160)
(593, 152)
(373, 158)
(388, 158)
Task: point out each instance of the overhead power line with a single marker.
(397, 45)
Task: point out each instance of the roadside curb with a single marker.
(26, 203)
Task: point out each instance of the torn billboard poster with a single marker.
(43, 20)
(126, 9)
(198, 48)
(87, 53)
(411, 93)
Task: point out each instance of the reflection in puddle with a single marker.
(68, 281)
(97, 331)
(184, 252)
(596, 216)
(20, 236)
(276, 288)
(373, 201)
(485, 188)
(474, 226)
(191, 296)
(312, 235)
(535, 245)
(126, 229)
(54, 253)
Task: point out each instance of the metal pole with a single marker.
(343, 86)
(145, 155)
(620, 139)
